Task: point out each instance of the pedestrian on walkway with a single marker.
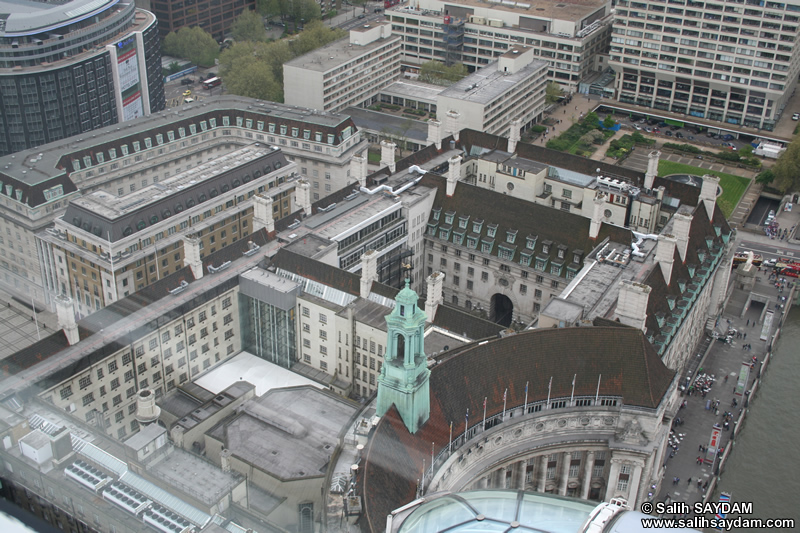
(699, 484)
(689, 481)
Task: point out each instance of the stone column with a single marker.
(518, 474)
(633, 486)
(191, 256)
(566, 459)
(588, 466)
(541, 473)
(499, 478)
(66, 318)
(483, 482)
(387, 155)
(613, 477)
(262, 213)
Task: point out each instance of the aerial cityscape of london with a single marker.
(399, 266)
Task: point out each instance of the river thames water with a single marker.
(764, 467)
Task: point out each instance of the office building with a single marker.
(67, 68)
(120, 160)
(570, 36)
(348, 72)
(728, 63)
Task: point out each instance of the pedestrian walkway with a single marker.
(721, 365)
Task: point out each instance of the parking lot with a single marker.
(637, 160)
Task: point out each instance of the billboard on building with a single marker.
(130, 85)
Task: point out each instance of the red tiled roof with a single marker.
(629, 366)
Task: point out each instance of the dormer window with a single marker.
(462, 222)
(331, 138)
(436, 214)
(170, 136)
(272, 128)
(530, 242)
(402, 310)
(307, 134)
(317, 137)
(577, 255)
(562, 252)
(472, 242)
(284, 129)
(239, 121)
(138, 146)
(124, 149)
(546, 247)
(87, 161)
(100, 156)
(295, 132)
(159, 138)
(226, 120)
(486, 246)
(511, 236)
(260, 125)
(212, 122)
(449, 216)
(477, 226)
(248, 123)
(491, 230)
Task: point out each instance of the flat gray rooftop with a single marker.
(194, 476)
(437, 342)
(145, 436)
(386, 124)
(112, 207)
(571, 10)
(337, 53)
(27, 15)
(369, 312)
(290, 433)
(597, 291)
(487, 84)
(416, 90)
(528, 165)
(39, 164)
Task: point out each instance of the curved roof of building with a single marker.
(622, 358)
(499, 510)
(27, 16)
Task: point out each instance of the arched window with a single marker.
(401, 347)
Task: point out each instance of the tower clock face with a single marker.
(608, 213)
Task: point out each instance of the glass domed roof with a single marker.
(499, 510)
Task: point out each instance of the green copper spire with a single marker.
(404, 378)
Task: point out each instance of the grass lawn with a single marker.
(733, 187)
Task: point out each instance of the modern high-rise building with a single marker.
(70, 67)
(712, 60)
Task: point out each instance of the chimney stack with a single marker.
(147, 411)
(66, 318)
(191, 256)
(708, 194)
(454, 123)
(652, 169)
(369, 271)
(514, 134)
(597, 214)
(262, 214)
(665, 255)
(453, 174)
(387, 155)
(435, 133)
(680, 227)
(434, 294)
(632, 303)
(358, 170)
(225, 459)
(302, 193)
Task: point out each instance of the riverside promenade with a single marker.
(720, 359)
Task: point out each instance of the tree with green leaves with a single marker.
(315, 35)
(268, 8)
(194, 44)
(609, 122)
(248, 76)
(249, 26)
(553, 92)
(440, 74)
(765, 177)
(592, 119)
(787, 168)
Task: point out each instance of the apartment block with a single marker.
(732, 62)
(348, 72)
(570, 36)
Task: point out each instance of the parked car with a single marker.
(690, 137)
(727, 137)
(675, 128)
(187, 92)
(377, 10)
(656, 130)
(637, 127)
(362, 15)
(711, 135)
(679, 135)
(662, 124)
(796, 116)
(187, 81)
(668, 133)
(700, 157)
(648, 129)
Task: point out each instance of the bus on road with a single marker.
(212, 82)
